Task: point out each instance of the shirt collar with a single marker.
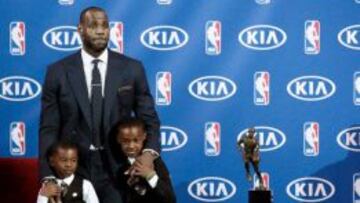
(87, 58)
(131, 160)
(67, 180)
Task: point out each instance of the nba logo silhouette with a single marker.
(164, 2)
(17, 38)
(17, 138)
(212, 138)
(213, 37)
(66, 2)
(312, 37)
(356, 188)
(163, 88)
(261, 88)
(265, 179)
(116, 41)
(311, 139)
(356, 88)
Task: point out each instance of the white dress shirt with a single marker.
(87, 60)
(153, 181)
(89, 194)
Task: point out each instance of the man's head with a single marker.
(130, 134)
(94, 30)
(63, 158)
(251, 132)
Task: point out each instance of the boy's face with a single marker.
(64, 162)
(131, 140)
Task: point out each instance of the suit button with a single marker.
(73, 132)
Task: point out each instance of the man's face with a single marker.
(131, 140)
(64, 162)
(94, 31)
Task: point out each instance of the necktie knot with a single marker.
(96, 62)
(64, 188)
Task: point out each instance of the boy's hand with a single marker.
(143, 170)
(50, 190)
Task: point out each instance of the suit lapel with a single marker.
(77, 80)
(114, 77)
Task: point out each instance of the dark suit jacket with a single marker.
(162, 193)
(65, 106)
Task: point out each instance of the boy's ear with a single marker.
(52, 161)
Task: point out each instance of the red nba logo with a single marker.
(312, 37)
(212, 138)
(17, 38)
(116, 41)
(163, 88)
(356, 188)
(356, 91)
(265, 179)
(213, 38)
(311, 139)
(261, 88)
(17, 138)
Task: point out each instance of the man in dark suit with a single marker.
(85, 94)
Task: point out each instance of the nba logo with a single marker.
(357, 88)
(116, 42)
(213, 37)
(265, 179)
(263, 2)
(163, 88)
(66, 2)
(311, 139)
(164, 2)
(212, 138)
(17, 38)
(312, 37)
(261, 88)
(356, 188)
(17, 138)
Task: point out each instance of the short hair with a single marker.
(128, 123)
(91, 8)
(62, 144)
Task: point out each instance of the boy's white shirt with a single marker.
(89, 194)
(153, 181)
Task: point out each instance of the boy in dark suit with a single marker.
(144, 183)
(66, 187)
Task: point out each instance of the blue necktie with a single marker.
(96, 104)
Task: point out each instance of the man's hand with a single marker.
(50, 190)
(144, 171)
(145, 159)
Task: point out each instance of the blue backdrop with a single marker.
(215, 68)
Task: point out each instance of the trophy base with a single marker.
(260, 196)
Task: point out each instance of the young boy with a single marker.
(66, 187)
(148, 183)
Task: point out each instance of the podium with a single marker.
(260, 196)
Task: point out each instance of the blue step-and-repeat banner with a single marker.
(290, 68)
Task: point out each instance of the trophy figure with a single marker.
(249, 146)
